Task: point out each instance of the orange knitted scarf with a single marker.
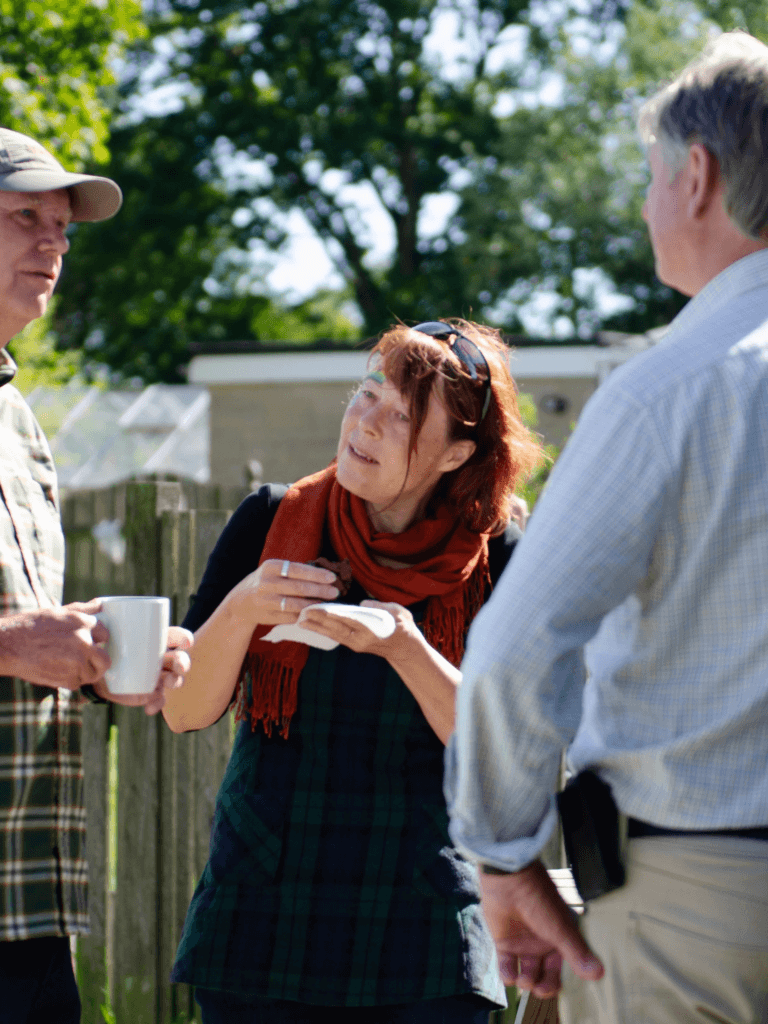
(447, 565)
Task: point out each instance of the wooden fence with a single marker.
(147, 848)
(149, 793)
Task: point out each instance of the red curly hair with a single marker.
(481, 490)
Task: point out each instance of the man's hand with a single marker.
(175, 666)
(534, 931)
(55, 647)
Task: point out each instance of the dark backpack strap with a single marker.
(275, 494)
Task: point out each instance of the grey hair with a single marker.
(720, 101)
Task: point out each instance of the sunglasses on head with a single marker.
(467, 352)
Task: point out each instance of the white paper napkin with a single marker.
(378, 620)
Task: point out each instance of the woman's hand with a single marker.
(279, 590)
(173, 669)
(358, 637)
(431, 679)
(275, 593)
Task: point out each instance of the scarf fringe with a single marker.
(446, 632)
(267, 692)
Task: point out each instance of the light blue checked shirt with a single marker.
(632, 622)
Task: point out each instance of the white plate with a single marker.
(378, 620)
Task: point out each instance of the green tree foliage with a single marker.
(55, 66)
(132, 286)
(295, 104)
(38, 361)
(139, 287)
(56, 71)
(563, 192)
(564, 189)
(531, 488)
(321, 94)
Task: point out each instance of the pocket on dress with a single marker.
(439, 871)
(246, 839)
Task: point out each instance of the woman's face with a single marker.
(373, 453)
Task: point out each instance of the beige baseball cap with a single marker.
(25, 166)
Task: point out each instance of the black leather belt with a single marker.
(637, 829)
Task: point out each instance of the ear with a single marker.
(457, 454)
(703, 181)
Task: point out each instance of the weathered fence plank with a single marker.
(208, 526)
(145, 503)
(138, 986)
(108, 576)
(172, 1000)
(138, 857)
(91, 949)
(178, 876)
(176, 544)
(167, 784)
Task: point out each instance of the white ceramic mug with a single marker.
(138, 637)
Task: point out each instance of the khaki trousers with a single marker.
(685, 941)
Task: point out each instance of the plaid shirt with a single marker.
(331, 878)
(43, 875)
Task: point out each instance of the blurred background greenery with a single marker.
(307, 170)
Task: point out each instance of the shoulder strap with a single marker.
(270, 496)
(275, 494)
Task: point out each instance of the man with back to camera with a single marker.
(651, 543)
(47, 652)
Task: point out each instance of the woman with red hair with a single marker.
(331, 885)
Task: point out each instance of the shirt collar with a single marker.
(744, 275)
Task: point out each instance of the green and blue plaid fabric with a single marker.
(331, 878)
(43, 874)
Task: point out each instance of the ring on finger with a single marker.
(285, 568)
(282, 604)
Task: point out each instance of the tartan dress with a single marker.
(331, 879)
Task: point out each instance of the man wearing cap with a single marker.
(50, 658)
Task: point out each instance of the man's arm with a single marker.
(56, 647)
(587, 547)
(59, 647)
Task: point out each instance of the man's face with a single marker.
(664, 214)
(32, 243)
